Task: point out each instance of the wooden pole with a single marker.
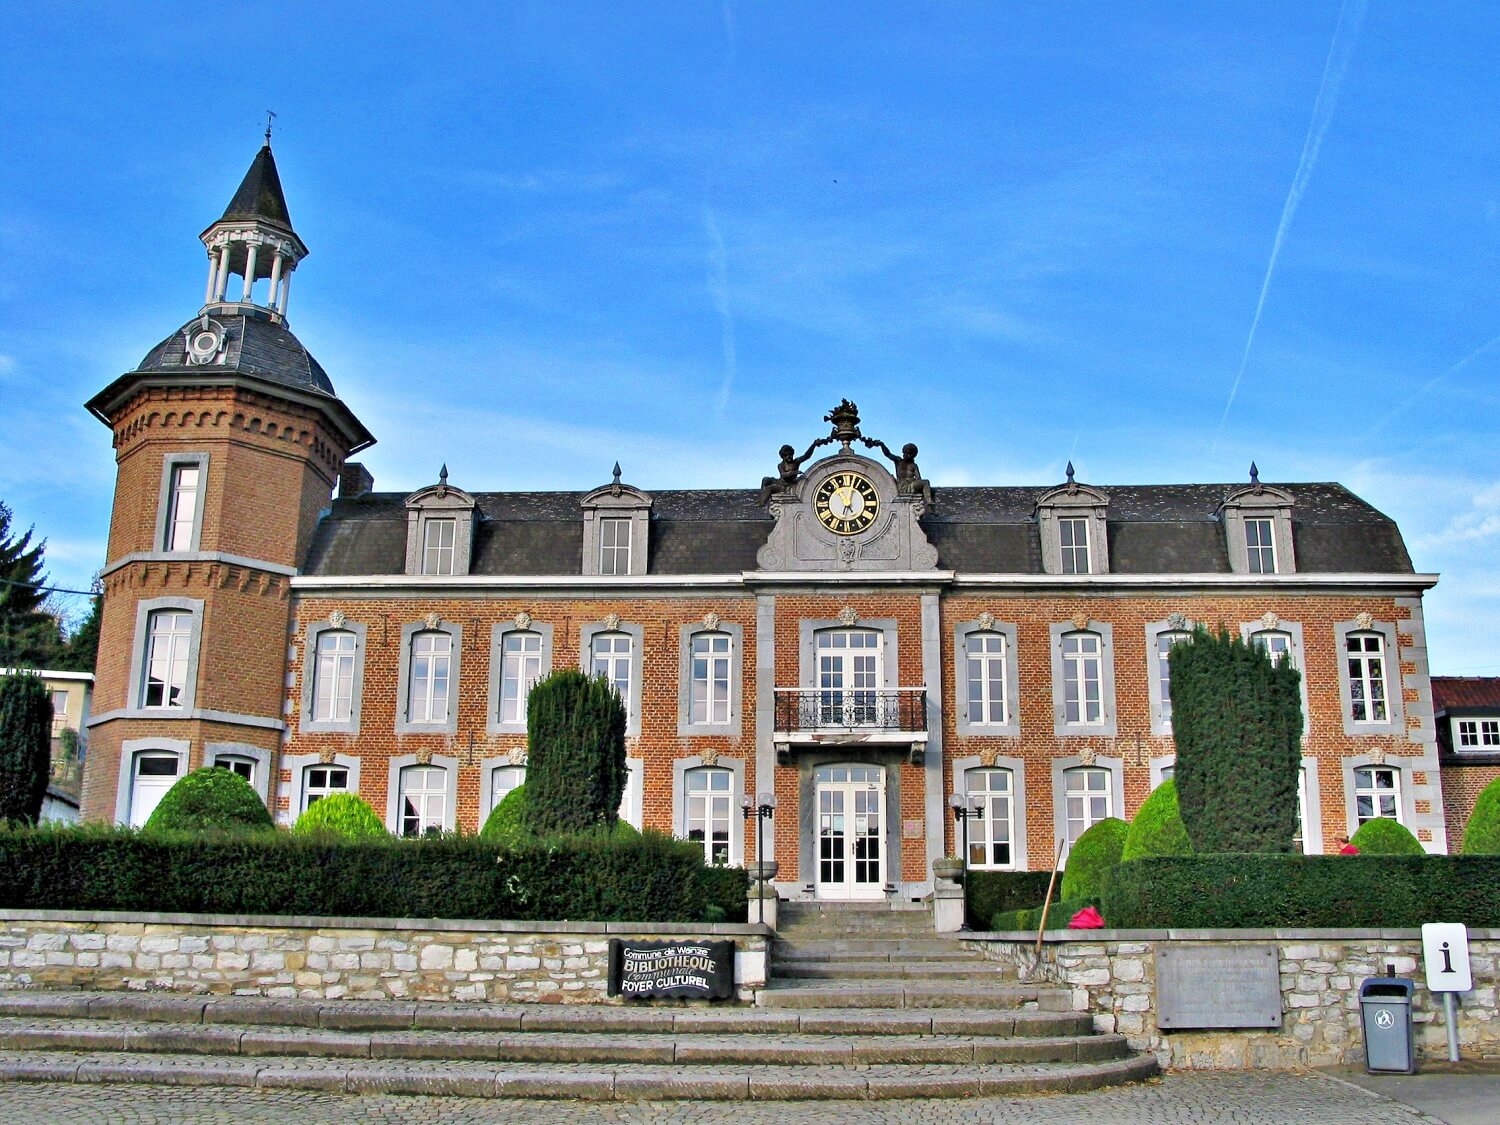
(1047, 902)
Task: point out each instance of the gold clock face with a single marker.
(846, 503)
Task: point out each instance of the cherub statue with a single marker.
(789, 472)
(909, 479)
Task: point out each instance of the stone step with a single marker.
(895, 970)
(377, 1015)
(591, 1047)
(873, 949)
(561, 1080)
(910, 994)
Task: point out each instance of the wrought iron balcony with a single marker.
(890, 711)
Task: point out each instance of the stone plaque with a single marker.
(683, 970)
(1200, 986)
(911, 829)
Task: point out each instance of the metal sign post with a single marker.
(1445, 955)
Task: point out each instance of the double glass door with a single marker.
(848, 678)
(851, 832)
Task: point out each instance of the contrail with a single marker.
(1427, 387)
(1340, 51)
(718, 291)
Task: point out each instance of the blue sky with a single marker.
(549, 236)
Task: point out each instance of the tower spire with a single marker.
(253, 240)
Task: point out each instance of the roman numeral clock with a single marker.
(847, 511)
(846, 503)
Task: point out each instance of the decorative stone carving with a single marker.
(517, 756)
(1080, 620)
(986, 621)
(988, 756)
(1269, 620)
(847, 616)
(612, 621)
(1088, 755)
(326, 755)
(1179, 621)
(711, 621)
(847, 551)
(710, 756)
(523, 620)
(432, 620)
(1364, 619)
(337, 619)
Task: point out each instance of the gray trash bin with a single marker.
(1385, 1017)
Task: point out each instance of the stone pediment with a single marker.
(847, 514)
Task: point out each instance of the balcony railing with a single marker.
(893, 710)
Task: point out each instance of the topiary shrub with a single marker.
(1482, 835)
(1157, 828)
(575, 764)
(1094, 853)
(1383, 836)
(1237, 722)
(210, 799)
(345, 815)
(25, 746)
(508, 824)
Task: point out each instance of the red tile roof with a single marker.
(1465, 691)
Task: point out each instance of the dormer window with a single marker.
(1073, 524)
(616, 526)
(437, 547)
(1258, 529)
(440, 529)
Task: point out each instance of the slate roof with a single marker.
(256, 346)
(1153, 529)
(1451, 692)
(259, 197)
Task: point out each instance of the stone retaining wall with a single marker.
(1112, 974)
(338, 958)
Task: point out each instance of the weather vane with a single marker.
(270, 121)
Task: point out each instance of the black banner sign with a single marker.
(682, 970)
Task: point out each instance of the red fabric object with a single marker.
(1348, 849)
(1086, 919)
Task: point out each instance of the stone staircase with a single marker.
(863, 1004)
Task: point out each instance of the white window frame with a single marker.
(499, 635)
(1106, 725)
(523, 664)
(411, 716)
(712, 679)
(688, 721)
(1260, 544)
(335, 657)
(1074, 501)
(614, 545)
(1253, 632)
(963, 633)
(172, 651)
(683, 770)
(981, 825)
(987, 662)
(511, 772)
(1486, 734)
(422, 801)
(308, 721)
(631, 697)
(438, 558)
(1369, 685)
(1083, 679)
(1259, 502)
(1367, 788)
(396, 790)
(309, 794)
(1394, 722)
(710, 806)
(1086, 799)
(258, 758)
(169, 499)
(435, 504)
(1070, 551)
(616, 501)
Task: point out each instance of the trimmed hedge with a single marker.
(1057, 915)
(727, 890)
(650, 878)
(1482, 834)
(210, 799)
(1383, 836)
(988, 893)
(506, 823)
(1092, 854)
(341, 814)
(1157, 828)
(1302, 892)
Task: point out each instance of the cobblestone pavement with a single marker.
(1269, 1098)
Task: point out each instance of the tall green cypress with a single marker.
(25, 746)
(1237, 722)
(575, 765)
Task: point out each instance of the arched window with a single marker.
(1088, 797)
(709, 811)
(503, 781)
(992, 828)
(424, 800)
(169, 634)
(322, 781)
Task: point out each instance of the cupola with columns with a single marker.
(253, 241)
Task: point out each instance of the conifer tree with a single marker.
(1237, 722)
(575, 766)
(29, 636)
(25, 746)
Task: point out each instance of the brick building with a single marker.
(1467, 714)
(846, 637)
